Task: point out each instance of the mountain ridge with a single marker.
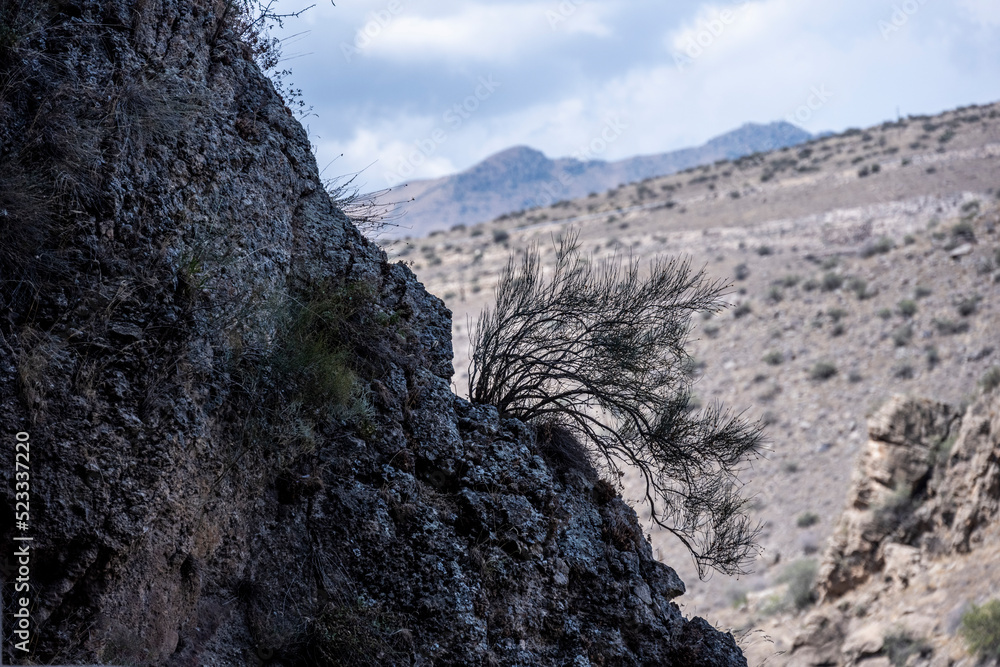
(522, 177)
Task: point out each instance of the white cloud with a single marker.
(766, 63)
(494, 33)
(384, 158)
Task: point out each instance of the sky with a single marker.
(401, 90)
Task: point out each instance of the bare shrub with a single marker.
(599, 347)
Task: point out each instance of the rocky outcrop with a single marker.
(924, 500)
(891, 477)
(244, 446)
(964, 500)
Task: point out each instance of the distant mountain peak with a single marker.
(523, 177)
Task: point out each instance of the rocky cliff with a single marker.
(244, 448)
(917, 543)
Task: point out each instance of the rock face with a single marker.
(903, 561)
(244, 446)
(891, 476)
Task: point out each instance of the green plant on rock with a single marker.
(990, 379)
(305, 369)
(357, 634)
(981, 629)
(598, 347)
(313, 356)
(900, 645)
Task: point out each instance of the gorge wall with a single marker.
(244, 444)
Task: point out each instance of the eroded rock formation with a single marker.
(917, 542)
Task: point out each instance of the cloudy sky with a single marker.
(406, 90)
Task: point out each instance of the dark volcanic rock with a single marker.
(244, 446)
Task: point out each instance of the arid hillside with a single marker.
(863, 265)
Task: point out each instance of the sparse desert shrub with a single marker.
(933, 356)
(969, 305)
(903, 371)
(884, 313)
(981, 629)
(501, 236)
(970, 207)
(711, 330)
(950, 328)
(807, 519)
(832, 281)
(920, 292)
(774, 358)
(990, 379)
(599, 349)
(822, 370)
(963, 232)
(774, 294)
(800, 577)
(838, 329)
(741, 272)
(860, 288)
(789, 281)
(810, 285)
(854, 377)
(742, 310)
(902, 335)
(880, 247)
(765, 250)
(907, 307)
(836, 314)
